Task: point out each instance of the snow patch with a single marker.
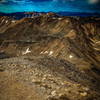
(45, 52)
(27, 51)
(70, 56)
(6, 21)
(59, 18)
(13, 21)
(51, 52)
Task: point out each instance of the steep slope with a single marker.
(45, 33)
(66, 47)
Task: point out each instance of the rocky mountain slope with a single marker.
(58, 57)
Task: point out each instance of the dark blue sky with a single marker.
(9, 6)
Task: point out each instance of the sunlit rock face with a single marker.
(59, 55)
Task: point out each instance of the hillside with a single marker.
(50, 55)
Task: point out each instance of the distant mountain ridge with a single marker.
(19, 15)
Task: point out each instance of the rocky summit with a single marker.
(49, 57)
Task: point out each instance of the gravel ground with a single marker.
(44, 78)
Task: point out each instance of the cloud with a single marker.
(49, 5)
(93, 1)
(2, 1)
(15, 1)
